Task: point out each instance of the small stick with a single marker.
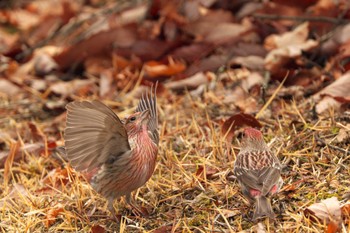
(303, 18)
(331, 146)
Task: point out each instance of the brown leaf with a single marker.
(343, 134)
(8, 88)
(334, 94)
(340, 38)
(97, 229)
(345, 210)
(288, 46)
(52, 214)
(332, 227)
(56, 177)
(95, 45)
(211, 63)
(189, 83)
(157, 69)
(225, 32)
(238, 120)
(68, 88)
(251, 62)
(193, 52)
(8, 41)
(146, 50)
(36, 134)
(327, 210)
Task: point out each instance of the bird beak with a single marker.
(145, 115)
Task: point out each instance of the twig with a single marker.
(272, 97)
(331, 146)
(303, 18)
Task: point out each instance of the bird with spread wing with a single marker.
(116, 157)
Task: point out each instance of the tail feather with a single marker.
(263, 208)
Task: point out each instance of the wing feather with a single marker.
(149, 101)
(93, 134)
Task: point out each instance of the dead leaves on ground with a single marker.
(167, 43)
(225, 53)
(329, 212)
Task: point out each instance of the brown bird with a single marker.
(258, 172)
(117, 157)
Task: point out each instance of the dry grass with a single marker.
(177, 197)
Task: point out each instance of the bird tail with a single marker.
(263, 208)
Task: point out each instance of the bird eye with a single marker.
(132, 119)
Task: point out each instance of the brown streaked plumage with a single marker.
(258, 172)
(117, 157)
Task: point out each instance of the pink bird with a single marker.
(258, 172)
(117, 157)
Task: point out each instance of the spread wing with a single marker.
(149, 101)
(93, 135)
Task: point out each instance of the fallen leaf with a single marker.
(334, 94)
(188, 83)
(250, 62)
(52, 214)
(147, 50)
(95, 45)
(288, 46)
(235, 121)
(8, 88)
(97, 229)
(193, 52)
(7, 41)
(44, 64)
(225, 32)
(158, 69)
(327, 211)
(71, 87)
(56, 177)
(343, 134)
(341, 35)
(211, 63)
(345, 210)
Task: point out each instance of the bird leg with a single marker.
(115, 216)
(137, 210)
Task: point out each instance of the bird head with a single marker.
(135, 122)
(253, 139)
(252, 134)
